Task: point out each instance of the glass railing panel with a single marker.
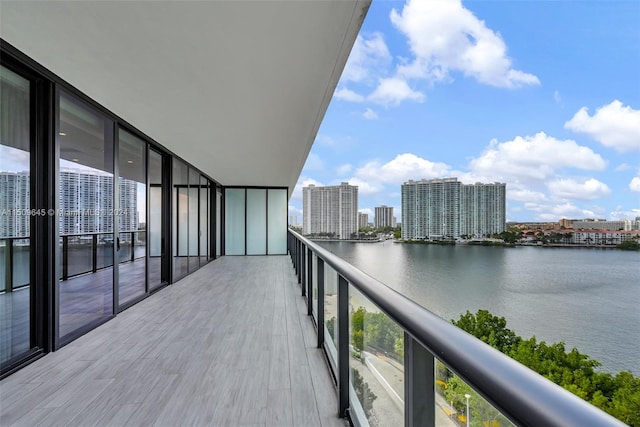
(139, 244)
(21, 264)
(376, 363)
(79, 254)
(457, 402)
(104, 250)
(124, 253)
(314, 286)
(331, 313)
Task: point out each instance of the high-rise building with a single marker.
(332, 210)
(439, 209)
(384, 216)
(431, 209)
(14, 204)
(482, 209)
(363, 220)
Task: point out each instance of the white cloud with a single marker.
(533, 157)
(613, 125)
(444, 36)
(313, 163)
(344, 169)
(634, 185)
(365, 188)
(402, 168)
(622, 167)
(348, 95)
(369, 114)
(557, 97)
(568, 188)
(393, 90)
(368, 56)
(621, 214)
(367, 211)
(525, 195)
(547, 212)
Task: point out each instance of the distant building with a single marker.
(446, 209)
(384, 217)
(363, 220)
(600, 224)
(14, 203)
(332, 210)
(482, 209)
(431, 209)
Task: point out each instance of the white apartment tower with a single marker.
(439, 209)
(384, 217)
(332, 210)
(363, 220)
(482, 209)
(431, 209)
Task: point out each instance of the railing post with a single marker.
(309, 282)
(94, 253)
(419, 385)
(133, 245)
(303, 273)
(343, 346)
(8, 265)
(65, 257)
(320, 307)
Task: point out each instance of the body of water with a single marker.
(587, 298)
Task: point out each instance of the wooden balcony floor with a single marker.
(229, 345)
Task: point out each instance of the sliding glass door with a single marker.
(85, 217)
(16, 291)
(131, 214)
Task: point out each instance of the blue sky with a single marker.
(542, 95)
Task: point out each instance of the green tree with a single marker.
(364, 393)
(576, 372)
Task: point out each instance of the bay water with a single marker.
(587, 298)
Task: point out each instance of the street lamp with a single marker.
(467, 396)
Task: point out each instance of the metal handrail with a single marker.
(519, 393)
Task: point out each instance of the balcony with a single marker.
(228, 345)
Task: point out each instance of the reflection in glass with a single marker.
(15, 289)
(204, 219)
(86, 221)
(277, 214)
(256, 221)
(132, 213)
(194, 227)
(458, 400)
(234, 221)
(376, 363)
(314, 284)
(218, 223)
(154, 226)
(331, 313)
(180, 228)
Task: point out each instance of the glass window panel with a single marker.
(204, 219)
(277, 231)
(154, 226)
(234, 221)
(331, 313)
(194, 226)
(180, 196)
(218, 220)
(376, 362)
(256, 221)
(314, 290)
(15, 193)
(86, 202)
(455, 400)
(132, 217)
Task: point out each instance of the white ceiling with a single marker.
(237, 88)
